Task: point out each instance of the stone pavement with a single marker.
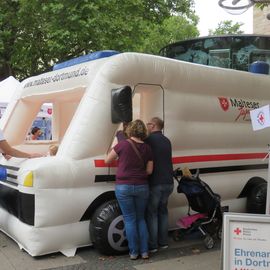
(12, 258)
(209, 261)
(185, 255)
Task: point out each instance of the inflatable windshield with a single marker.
(66, 199)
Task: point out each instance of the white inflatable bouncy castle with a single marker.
(66, 201)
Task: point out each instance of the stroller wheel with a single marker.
(219, 233)
(209, 242)
(178, 234)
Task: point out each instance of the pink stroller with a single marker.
(206, 204)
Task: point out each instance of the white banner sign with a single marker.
(246, 242)
(260, 118)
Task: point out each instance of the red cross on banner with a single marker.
(237, 231)
(260, 118)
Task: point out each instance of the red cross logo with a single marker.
(237, 231)
(224, 103)
(261, 118)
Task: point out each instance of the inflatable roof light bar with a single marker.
(85, 58)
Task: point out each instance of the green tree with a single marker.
(173, 29)
(262, 6)
(227, 28)
(34, 34)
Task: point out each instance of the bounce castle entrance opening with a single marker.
(148, 101)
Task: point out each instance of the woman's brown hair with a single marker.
(137, 129)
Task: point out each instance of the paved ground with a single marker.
(188, 254)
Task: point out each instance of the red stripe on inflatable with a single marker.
(100, 163)
(220, 157)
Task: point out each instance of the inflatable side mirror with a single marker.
(121, 110)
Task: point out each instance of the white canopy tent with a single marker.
(7, 89)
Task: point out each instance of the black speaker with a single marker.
(121, 104)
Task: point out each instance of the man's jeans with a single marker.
(133, 200)
(157, 215)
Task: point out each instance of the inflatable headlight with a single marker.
(28, 180)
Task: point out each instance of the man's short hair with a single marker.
(158, 122)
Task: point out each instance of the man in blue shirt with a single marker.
(161, 185)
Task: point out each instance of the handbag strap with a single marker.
(136, 151)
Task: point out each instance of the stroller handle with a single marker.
(197, 174)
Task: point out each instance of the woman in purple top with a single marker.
(131, 190)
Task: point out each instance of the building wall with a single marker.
(261, 25)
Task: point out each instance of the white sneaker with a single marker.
(154, 250)
(164, 247)
(145, 256)
(133, 257)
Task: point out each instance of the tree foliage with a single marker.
(227, 28)
(173, 29)
(35, 34)
(262, 6)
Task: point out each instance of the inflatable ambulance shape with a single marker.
(62, 202)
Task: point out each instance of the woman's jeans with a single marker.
(133, 200)
(157, 215)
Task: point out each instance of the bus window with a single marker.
(220, 58)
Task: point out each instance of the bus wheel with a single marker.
(107, 229)
(256, 199)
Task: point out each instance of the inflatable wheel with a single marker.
(209, 242)
(107, 229)
(256, 199)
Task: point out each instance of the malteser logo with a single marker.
(242, 106)
(240, 103)
(224, 103)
